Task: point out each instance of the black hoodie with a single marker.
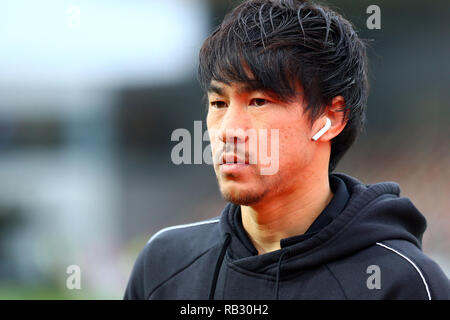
(366, 244)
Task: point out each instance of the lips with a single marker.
(229, 158)
(233, 166)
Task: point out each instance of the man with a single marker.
(294, 73)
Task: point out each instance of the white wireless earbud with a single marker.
(323, 130)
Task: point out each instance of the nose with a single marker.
(234, 126)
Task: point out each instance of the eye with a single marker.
(218, 104)
(258, 102)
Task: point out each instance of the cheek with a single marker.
(211, 125)
(213, 141)
(294, 148)
(209, 121)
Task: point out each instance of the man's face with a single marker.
(236, 121)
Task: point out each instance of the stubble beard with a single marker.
(247, 197)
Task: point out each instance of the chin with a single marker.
(245, 197)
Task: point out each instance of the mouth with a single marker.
(233, 166)
(233, 159)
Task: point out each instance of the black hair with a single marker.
(284, 42)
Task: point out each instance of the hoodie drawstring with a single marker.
(277, 283)
(218, 265)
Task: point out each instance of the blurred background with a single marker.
(91, 91)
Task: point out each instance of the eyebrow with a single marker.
(215, 89)
(245, 88)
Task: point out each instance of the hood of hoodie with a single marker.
(373, 213)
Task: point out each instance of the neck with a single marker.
(286, 214)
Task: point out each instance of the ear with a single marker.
(336, 113)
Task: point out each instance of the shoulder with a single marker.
(192, 237)
(415, 269)
(174, 248)
(168, 251)
(393, 269)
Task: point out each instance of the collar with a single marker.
(331, 211)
